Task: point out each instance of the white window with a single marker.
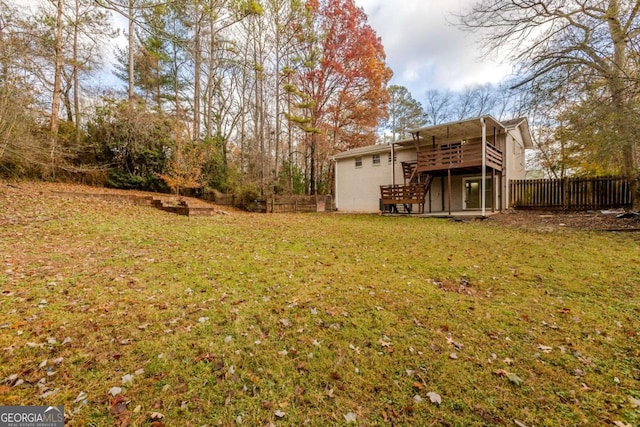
(376, 160)
(358, 162)
(395, 158)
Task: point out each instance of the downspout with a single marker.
(505, 167)
(507, 163)
(483, 195)
(335, 173)
(393, 163)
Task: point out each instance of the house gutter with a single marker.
(483, 195)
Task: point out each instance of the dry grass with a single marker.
(312, 319)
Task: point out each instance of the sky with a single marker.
(424, 50)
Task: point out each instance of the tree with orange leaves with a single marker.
(340, 82)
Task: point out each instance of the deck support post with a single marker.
(493, 190)
(449, 189)
(483, 184)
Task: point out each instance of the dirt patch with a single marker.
(589, 220)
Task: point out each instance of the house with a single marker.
(458, 166)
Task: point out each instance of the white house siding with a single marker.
(516, 158)
(358, 188)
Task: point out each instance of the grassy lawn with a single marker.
(313, 320)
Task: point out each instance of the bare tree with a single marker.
(437, 105)
(595, 38)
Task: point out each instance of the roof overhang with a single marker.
(526, 134)
(462, 129)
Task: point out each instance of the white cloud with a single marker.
(424, 50)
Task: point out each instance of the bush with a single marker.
(246, 197)
(127, 181)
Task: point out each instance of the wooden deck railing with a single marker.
(408, 195)
(458, 156)
(570, 193)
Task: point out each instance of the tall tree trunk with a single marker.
(619, 72)
(289, 138)
(197, 59)
(66, 99)
(76, 79)
(312, 164)
(57, 86)
(210, 88)
(259, 121)
(277, 100)
(132, 47)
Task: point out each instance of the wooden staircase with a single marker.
(416, 185)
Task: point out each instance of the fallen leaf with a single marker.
(384, 343)
(417, 398)
(285, 323)
(621, 424)
(48, 394)
(115, 391)
(118, 405)
(207, 357)
(280, 414)
(514, 379)
(545, 348)
(434, 397)
(127, 379)
(635, 403)
(156, 416)
(350, 417)
(81, 396)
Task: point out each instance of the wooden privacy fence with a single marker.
(570, 193)
(293, 204)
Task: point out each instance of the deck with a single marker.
(458, 156)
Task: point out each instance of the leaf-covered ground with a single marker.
(128, 315)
